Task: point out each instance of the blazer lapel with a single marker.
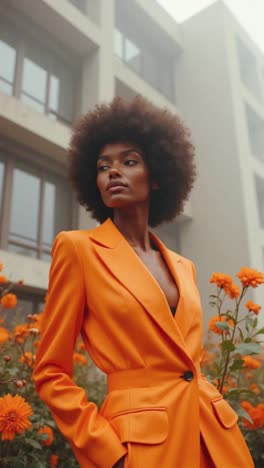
(121, 260)
(177, 267)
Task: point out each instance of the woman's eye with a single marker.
(102, 168)
(130, 162)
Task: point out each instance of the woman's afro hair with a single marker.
(163, 139)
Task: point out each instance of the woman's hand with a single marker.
(120, 463)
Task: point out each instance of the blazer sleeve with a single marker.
(91, 436)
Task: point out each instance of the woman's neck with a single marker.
(134, 228)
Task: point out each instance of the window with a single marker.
(38, 205)
(80, 4)
(248, 68)
(259, 184)
(45, 81)
(7, 62)
(146, 60)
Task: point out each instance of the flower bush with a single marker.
(234, 355)
(232, 361)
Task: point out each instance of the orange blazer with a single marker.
(158, 403)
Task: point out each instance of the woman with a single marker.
(135, 303)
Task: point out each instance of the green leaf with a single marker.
(228, 345)
(248, 340)
(237, 365)
(237, 391)
(240, 333)
(248, 348)
(261, 331)
(33, 443)
(255, 322)
(244, 414)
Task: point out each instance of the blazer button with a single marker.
(188, 376)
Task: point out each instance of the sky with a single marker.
(249, 13)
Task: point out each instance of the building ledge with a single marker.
(32, 271)
(63, 21)
(32, 129)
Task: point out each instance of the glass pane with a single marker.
(151, 68)
(118, 43)
(48, 213)
(6, 87)
(132, 55)
(8, 61)
(25, 206)
(34, 80)
(33, 103)
(61, 92)
(2, 168)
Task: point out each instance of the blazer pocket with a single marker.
(143, 425)
(225, 414)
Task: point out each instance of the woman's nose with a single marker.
(114, 172)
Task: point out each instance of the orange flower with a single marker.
(54, 460)
(212, 323)
(4, 335)
(253, 307)
(232, 291)
(20, 282)
(246, 405)
(1, 266)
(28, 358)
(81, 346)
(254, 388)
(257, 415)
(3, 279)
(49, 437)
(79, 358)
(250, 277)
(222, 280)
(9, 300)
(21, 332)
(14, 414)
(250, 362)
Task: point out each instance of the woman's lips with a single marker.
(116, 188)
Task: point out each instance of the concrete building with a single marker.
(58, 58)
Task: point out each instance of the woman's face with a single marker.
(122, 176)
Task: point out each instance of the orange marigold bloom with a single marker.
(48, 433)
(232, 291)
(253, 307)
(257, 415)
(3, 279)
(14, 414)
(250, 362)
(81, 346)
(21, 332)
(28, 358)
(54, 460)
(221, 280)
(254, 388)
(9, 300)
(4, 335)
(79, 358)
(250, 277)
(212, 323)
(246, 405)
(1, 266)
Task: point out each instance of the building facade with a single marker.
(60, 58)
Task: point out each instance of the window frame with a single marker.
(23, 42)
(11, 162)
